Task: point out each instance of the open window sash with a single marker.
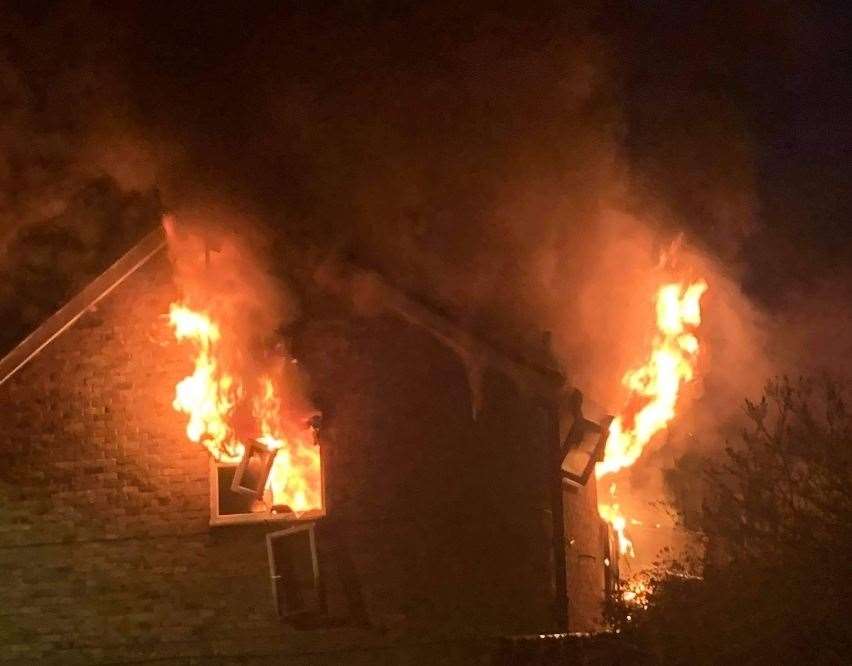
(294, 572)
(584, 443)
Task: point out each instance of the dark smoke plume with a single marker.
(521, 168)
(77, 184)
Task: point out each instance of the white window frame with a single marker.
(273, 573)
(217, 519)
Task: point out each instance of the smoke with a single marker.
(76, 180)
(521, 169)
(227, 277)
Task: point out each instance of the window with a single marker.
(252, 472)
(225, 503)
(234, 497)
(294, 572)
(583, 441)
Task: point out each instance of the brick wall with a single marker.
(442, 524)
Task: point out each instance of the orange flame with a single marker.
(654, 389)
(211, 395)
(611, 513)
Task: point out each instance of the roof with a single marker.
(97, 289)
(473, 349)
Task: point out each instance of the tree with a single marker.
(773, 582)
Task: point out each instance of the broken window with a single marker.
(243, 493)
(252, 472)
(225, 503)
(584, 440)
(240, 496)
(294, 572)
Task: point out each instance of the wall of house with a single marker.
(460, 505)
(584, 557)
(441, 526)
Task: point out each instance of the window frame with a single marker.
(598, 430)
(310, 527)
(253, 449)
(218, 520)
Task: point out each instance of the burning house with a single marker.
(369, 480)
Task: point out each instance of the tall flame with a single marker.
(212, 396)
(208, 396)
(654, 388)
(611, 513)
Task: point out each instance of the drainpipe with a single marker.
(560, 573)
(554, 480)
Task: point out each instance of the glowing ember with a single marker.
(654, 389)
(212, 397)
(636, 592)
